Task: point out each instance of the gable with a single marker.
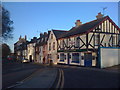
(107, 26)
(52, 33)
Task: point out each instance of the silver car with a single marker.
(25, 61)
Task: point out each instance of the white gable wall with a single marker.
(52, 52)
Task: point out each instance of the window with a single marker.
(113, 39)
(53, 45)
(58, 56)
(51, 36)
(49, 46)
(62, 57)
(97, 36)
(65, 56)
(75, 57)
(103, 26)
(77, 42)
(70, 56)
(82, 57)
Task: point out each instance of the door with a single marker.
(68, 60)
(88, 59)
(30, 58)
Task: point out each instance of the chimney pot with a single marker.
(99, 15)
(78, 23)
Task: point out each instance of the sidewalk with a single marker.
(44, 78)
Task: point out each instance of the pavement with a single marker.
(43, 78)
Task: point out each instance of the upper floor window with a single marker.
(51, 36)
(97, 36)
(53, 45)
(49, 46)
(77, 42)
(113, 39)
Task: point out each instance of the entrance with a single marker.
(88, 59)
(30, 57)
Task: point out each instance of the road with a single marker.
(15, 71)
(81, 77)
(70, 76)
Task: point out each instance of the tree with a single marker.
(7, 27)
(5, 50)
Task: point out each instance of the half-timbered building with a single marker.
(80, 45)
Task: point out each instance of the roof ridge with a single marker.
(59, 30)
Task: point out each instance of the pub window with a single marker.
(77, 42)
(111, 28)
(97, 36)
(113, 38)
(75, 57)
(103, 26)
(62, 57)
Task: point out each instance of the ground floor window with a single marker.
(75, 57)
(62, 57)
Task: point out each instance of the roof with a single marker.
(85, 28)
(42, 40)
(58, 33)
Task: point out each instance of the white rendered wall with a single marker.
(109, 57)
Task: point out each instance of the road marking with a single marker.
(60, 83)
(22, 81)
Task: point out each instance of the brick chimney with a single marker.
(99, 15)
(78, 23)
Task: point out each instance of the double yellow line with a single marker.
(60, 83)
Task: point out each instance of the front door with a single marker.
(88, 59)
(30, 58)
(68, 60)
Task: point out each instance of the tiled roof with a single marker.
(42, 39)
(58, 33)
(83, 28)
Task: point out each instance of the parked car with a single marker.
(25, 60)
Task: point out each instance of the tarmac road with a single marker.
(81, 77)
(16, 71)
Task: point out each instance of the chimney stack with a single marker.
(78, 23)
(99, 15)
(45, 33)
(41, 34)
(25, 37)
(20, 37)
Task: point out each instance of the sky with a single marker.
(33, 18)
